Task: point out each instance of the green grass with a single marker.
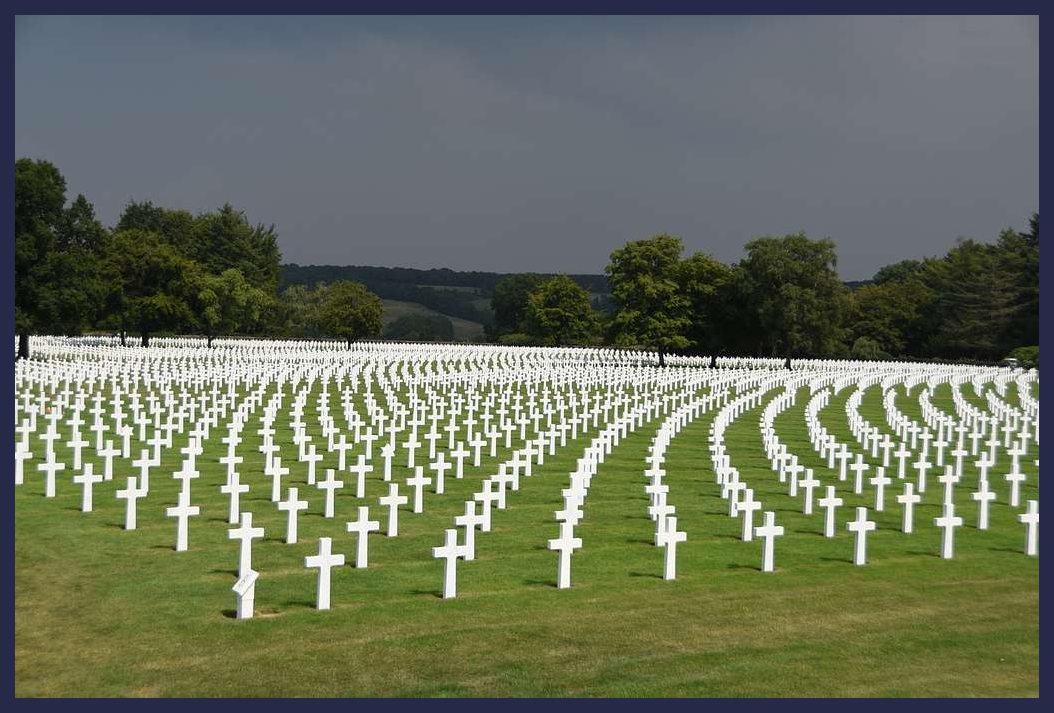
(104, 612)
(464, 330)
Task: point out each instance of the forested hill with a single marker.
(452, 292)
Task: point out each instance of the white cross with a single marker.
(276, 473)
(417, 482)
(909, 499)
(983, 496)
(182, 512)
(411, 446)
(858, 469)
(902, 454)
(440, 466)
(948, 480)
(469, 521)
(829, 503)
(50, 467)
(1015, 480)
(312, 458)
(324, 561)
(87, 479)
(363, 526)
(360, 469)
(861, 526)
(21, 456)
(669, 539)
(450, 551)
(565, 544)
(922, 466)
(234, 488)
(246, 533)
(809, 483)
(1030, 519)
(130, 495)
(292, 506)
(330, 485)
(393, 500)
(460, 453)
(387, 453)
(769, 531)
(948, 522)
(880, 482)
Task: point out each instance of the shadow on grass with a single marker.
(437, 594)
(650, 575)
(638, 541)
(743, 566)
(541, 583)
(299, 603)
(232, 572)
(843, 560)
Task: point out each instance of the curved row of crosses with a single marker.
(1012, 431)
(379, 430)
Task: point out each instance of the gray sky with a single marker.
(514, 144)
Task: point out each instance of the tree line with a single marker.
(980, 301)
(161, 270)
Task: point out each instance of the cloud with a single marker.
(544, 143)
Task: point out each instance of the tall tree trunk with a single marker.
(146, 339)
(209, 343)
(713, 361)
(662, 358)
(124, 337)
(349, 343)
(23, 346)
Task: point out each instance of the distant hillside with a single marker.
(465, 295)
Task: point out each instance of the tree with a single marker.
(898, 272)
(1019, 260)
(653, 310)
(890, 315)
(150, 284)
(421, 328)
(225, 303)
(973, 303)
(793, 294)
(57, 286)
(510, 301)
(349, 311)
(224, 239)
(706, 283)
(560, 313)
(175, 227)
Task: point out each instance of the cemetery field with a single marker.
(101, 611)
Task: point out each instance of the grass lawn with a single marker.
(104, 612)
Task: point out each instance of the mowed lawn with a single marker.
(104, 612)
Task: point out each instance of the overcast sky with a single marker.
(514, 144)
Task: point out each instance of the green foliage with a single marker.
(1027, 356)
(510, 301)
(653, 309)
(707, 284)
(559, 313)
(348, 311)
(902, 271)
(974, 298)
(421, 328)
(792, 293)
(150, 283)
(226, 303)
(889, 314)
(516, 339)
(57, 284)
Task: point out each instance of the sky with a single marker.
(511, 144)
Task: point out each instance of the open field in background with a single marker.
(100, 611)
(464, 330)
